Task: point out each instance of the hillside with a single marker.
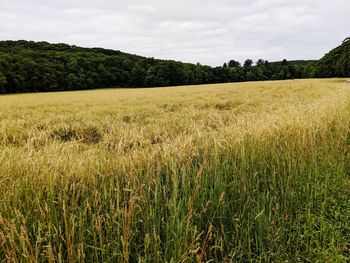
(27, 66)
(336, 63)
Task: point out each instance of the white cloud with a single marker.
(209, 32)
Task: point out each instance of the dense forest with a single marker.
(336, 63)
(27, 66)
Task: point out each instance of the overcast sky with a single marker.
(206, 31)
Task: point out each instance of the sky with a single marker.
(210, 32)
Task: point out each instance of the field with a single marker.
(256, 171)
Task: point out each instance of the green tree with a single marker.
(73, 81)
(260, 62)
(2, 83)
(138, 75)
(248, 63)
(234, 64)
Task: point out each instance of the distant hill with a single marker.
(336, 63)
(27, 66)
(17, 46)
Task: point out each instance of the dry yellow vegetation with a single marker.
(244, 171)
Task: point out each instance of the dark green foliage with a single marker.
(336, 63)
(27, 66)
(234, 64)
(2, 83)
(40, 66)
(248, 64)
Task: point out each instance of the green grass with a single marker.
(252, 172)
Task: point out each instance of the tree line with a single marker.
(27, 66)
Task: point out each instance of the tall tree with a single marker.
(260, 62)
(234, 64)
(248, 64)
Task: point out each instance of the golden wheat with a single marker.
(175, 174)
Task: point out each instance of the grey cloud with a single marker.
(209, 32)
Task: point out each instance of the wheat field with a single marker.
(244, 172)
